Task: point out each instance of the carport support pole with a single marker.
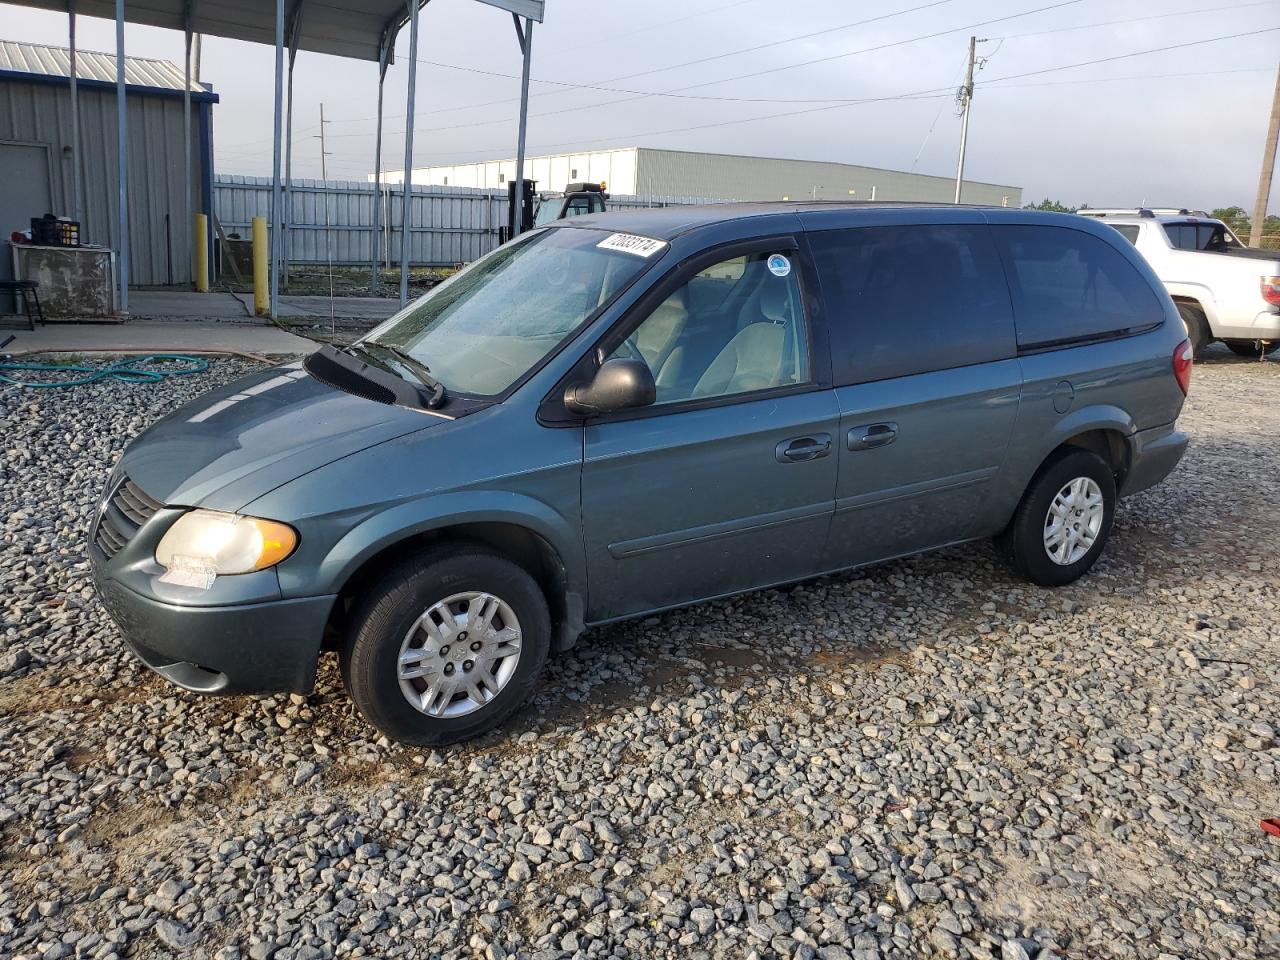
(405, 245)
(188, 222)
(377, 173)
(77, 182)
(526, 47)
(286, 214)
(122, 159)
(277, 200)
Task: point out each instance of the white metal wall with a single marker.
(449, 224)
(160, 250)
(616, 168)
(643, 171)
(760, 178)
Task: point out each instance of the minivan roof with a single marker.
(666, 223)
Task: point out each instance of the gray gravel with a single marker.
(928, 758)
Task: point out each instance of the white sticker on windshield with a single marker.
(630, 243)
(779, 265)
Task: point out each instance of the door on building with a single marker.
(24, 193)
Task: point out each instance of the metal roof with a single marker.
(354, 30)
(39, 60)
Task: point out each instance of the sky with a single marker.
(869, 83)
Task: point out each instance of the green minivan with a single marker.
(628, 412)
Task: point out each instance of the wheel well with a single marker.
(1187, 301)
(516, 543)
(1110, 445)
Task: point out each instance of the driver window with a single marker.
(736, 326)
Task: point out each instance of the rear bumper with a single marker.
(253, 648)
(1153, 455)
(1264, 325)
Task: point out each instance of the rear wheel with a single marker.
(1252, 348)
(1197, 326)
(1063, 522)
(446, 646)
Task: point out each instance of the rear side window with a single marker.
(911, 299)
(1070, 286)
(1200, 236)
(1181, 235)
(1127, 230)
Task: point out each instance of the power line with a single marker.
(677, 93)
(1154, 16)
(936, 117)
(1143, 76)
(853, 53)
(599, 85)
(915, 95)
(1136, 53)
(665, 24)
(779, 43)
(644, 95)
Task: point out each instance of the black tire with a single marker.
(1250, 349)
(370, 656)
(1197, 327)
(1024, 540)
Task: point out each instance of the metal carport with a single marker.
(359, 30)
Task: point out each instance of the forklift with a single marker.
(576, 200)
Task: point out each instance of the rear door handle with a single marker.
(803, 448)
(872, 435)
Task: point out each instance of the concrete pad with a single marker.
(186, 304)
(161, 337)
(344, 308)
(238, 307)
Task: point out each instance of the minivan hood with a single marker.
(235, 444)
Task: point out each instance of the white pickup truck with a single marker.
(1223, 289)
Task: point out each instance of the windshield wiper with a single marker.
(415, 366)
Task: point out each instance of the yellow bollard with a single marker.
(202, 253)
(261, 290)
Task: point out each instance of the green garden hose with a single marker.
(130, 371)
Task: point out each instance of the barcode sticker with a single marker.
(630, 243)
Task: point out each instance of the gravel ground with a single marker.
(927, 758)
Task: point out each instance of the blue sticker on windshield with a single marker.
(779, 265)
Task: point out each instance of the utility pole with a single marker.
(966, 97)
(328, 240)
(324, 174)
(1268, 170)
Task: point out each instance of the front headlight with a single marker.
(211, 543)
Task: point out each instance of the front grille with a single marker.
(127, 509)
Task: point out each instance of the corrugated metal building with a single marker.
(35, 133)
(645, 171)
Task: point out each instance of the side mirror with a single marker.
(619, 384)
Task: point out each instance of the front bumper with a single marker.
(268, 647)
(1153, 455)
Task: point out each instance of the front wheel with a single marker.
(1064, 519)
(446, 646)
(1253, 348)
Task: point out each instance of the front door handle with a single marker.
(872, 435)
(803, 448)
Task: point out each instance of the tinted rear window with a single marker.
(1127, 230)
(1070, 286)
(911, 299)
(1199, 236)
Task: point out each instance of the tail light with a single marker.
(1271, 290)
(1183, 358)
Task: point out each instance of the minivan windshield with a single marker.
(485, 327)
